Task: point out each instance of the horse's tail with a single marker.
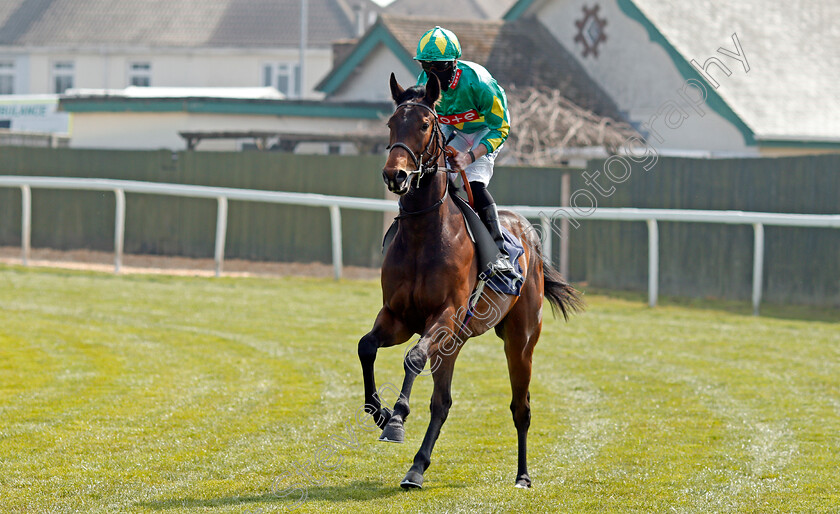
(562, 296)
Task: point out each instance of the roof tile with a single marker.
(167, 23)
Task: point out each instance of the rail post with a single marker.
(119, 229)
(545, 225)
(758, 266)
(25, 223)
(565, 195)
(221, 232)
(653, 262)
(335, 232)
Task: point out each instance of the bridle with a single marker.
(426, 163)
(430, 166)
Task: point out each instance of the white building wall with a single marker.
(39, 75)
(640, 77)
(109, 69)
(22, 66)
(156, 130)
(372, 84)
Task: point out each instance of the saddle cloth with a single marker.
(507, 283)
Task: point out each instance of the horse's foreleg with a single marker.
(444, 355)
(439, 334)
(387, 331)
(414, 362)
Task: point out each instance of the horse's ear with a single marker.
(432, 90)
(396, 89)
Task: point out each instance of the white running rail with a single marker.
(335, 203)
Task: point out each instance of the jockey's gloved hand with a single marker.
(460, 160)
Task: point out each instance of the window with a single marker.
(62, 76)
(140, 74)
(284, 76)
(7, 77)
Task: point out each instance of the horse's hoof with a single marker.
(412, 480)
(393, 432)
(523, 482)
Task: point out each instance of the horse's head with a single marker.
(415, 144)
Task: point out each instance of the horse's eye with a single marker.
(425, 127)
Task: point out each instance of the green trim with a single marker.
(517, 10)
(215, 106)
(379, 34)
(713, 100)
(798, 143)
(122, 105)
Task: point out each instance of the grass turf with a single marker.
(172, 394)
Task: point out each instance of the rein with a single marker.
(407, 214)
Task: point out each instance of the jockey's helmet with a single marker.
(438, 44)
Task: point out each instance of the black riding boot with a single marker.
(490, 216)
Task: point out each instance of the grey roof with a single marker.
(174, 23)
(521, 53)
(792, 90)
(462, 9)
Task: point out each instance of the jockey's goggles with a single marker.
(436, 66)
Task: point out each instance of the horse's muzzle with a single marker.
(397, 182)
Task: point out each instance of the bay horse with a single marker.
(428, 274)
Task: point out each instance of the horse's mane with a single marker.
(414, 93)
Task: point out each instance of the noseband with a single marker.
(421, 168)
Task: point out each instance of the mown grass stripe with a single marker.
(177, 394)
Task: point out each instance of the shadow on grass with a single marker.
(768, 310)
(355, 491)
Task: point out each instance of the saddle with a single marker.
(485, 247)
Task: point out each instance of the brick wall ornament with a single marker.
(591, 30)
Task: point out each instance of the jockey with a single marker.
(474, 120)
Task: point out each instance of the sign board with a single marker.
(33, 113)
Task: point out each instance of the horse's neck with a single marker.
(419, 228)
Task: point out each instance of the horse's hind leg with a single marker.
(387, 331)
(519, 367)
(520, 331)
